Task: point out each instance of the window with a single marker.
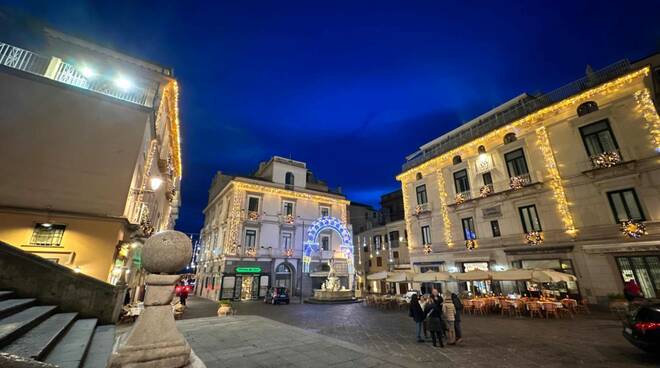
(530, 219)
(250, 238)
(287, 240)
(47, 234)
(426, 235)
(644, 270)
(468, 228)
(253, 204)
(287, 208)
(421, 194)
(378, 242)
(481, 149)
(325, 242)
(495, 228)
(394, 239)
(515, 163)
(587, 107)
(510, 137)
(395, 254)
(325, 211)
(488, 179)
(369, 263)
(598, 138)
(379, 261)
(289, 180)
(418, 176)
(282, 268)
(365, 249)
(461, 182)
(456, 160)
(625, 205)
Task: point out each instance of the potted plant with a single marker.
(224, 308)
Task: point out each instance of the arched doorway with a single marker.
(284, 275)
(312, 242)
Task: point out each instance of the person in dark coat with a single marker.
(458, 305)
(417, 315)
(433, 313)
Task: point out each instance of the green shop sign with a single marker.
(248, 269)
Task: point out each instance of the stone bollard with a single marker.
(154, 340)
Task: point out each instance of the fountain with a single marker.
(331, 290)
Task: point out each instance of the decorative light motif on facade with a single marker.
(251, 252)
(516, 182)
(443, 209)
(605, 160)
(646, 107)
(289, 219)
(460, 198)
(633, 229)
(556, 185)
(253, 215)
(234, 220)
(534, 238)
(471, 244)
(428, 249)
(288, 252)
(406, 210)
(485, 191)
(170, 100)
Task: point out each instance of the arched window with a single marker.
(289, 180)
(456, 160)
(587, 107)
(283, 268)
(510, 137)
(481, 149)
(419, 176)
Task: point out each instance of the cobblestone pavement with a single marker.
(490, 341)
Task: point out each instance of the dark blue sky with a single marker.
(349, 87)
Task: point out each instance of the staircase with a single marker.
(32, 333)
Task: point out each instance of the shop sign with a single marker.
(248, 269)
(492, 211)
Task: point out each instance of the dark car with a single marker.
(277, 295)
(642, 327)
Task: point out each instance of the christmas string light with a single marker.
(443, 209)
(646, 107)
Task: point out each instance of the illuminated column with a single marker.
(442, 195)
(646, 107)
(405, 180)
(234, 221)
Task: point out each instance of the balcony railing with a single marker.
(463, 196)
(58, 70)
(422, 208)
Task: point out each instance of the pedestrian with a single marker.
(417, 314)
(449, 313)
(183, 294)
(424, 300)
(433, 313)
(631, 290)
(458, 305)
(435, 295)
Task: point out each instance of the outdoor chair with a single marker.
(550, 309)
(534, 309)
(506, 308)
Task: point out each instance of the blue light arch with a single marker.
(312, 240)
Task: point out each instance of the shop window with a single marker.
(625, 205)
(644, 270)
(530, 219)
(421, 194)
(46, 234)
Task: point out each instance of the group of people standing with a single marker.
(441, 317)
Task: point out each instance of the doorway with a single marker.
(247, 287)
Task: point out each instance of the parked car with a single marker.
(642, 327)
(407, 296)
(277, 295)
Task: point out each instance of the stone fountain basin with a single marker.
(328, 295)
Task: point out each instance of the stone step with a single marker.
(100, 348)
(6, 294)
(39, 340)
(11, 306)
(70, 351)
(17, 324)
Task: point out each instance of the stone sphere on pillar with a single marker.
(168, 251)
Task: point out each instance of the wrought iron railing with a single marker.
(56, 69)
(520, 109)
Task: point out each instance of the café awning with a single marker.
(399, 277)
(551, 276)
(474, 275)
(512, 275)
(432, 276)
(378, 276)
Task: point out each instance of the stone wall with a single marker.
(32, 276)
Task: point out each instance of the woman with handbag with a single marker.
(417, 315)
(433, 313)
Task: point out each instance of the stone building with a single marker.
(254, 230)
(91, 157)
(569, 181)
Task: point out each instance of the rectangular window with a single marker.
(598, 138)
(253, 204)
(378, 239)
(287, 240)
(426, 235)
(495, 228)
(325, 211)
(421, 194)
(379, 261)
(369, 263)
(287, 208)
(488, 178)
(644, 270)
(394, 239)
(250, 238)
(47, 234)
(395, 254)
(625, 205)
(530, 219)
(325, 242)
(515, 163)
(461, 183)
(469, 232)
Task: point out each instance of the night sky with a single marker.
(349, 88)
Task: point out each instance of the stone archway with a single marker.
(312, 242)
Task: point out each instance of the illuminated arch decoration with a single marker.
(312, 240)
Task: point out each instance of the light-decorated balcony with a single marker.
(108, 83)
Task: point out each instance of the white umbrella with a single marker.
(551, 276)
(378, 275)
(512, 275)
(432, 276)
(474, 275)
(399, 277)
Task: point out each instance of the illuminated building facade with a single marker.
(567, 180)
(255, 227)
(91, 157)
